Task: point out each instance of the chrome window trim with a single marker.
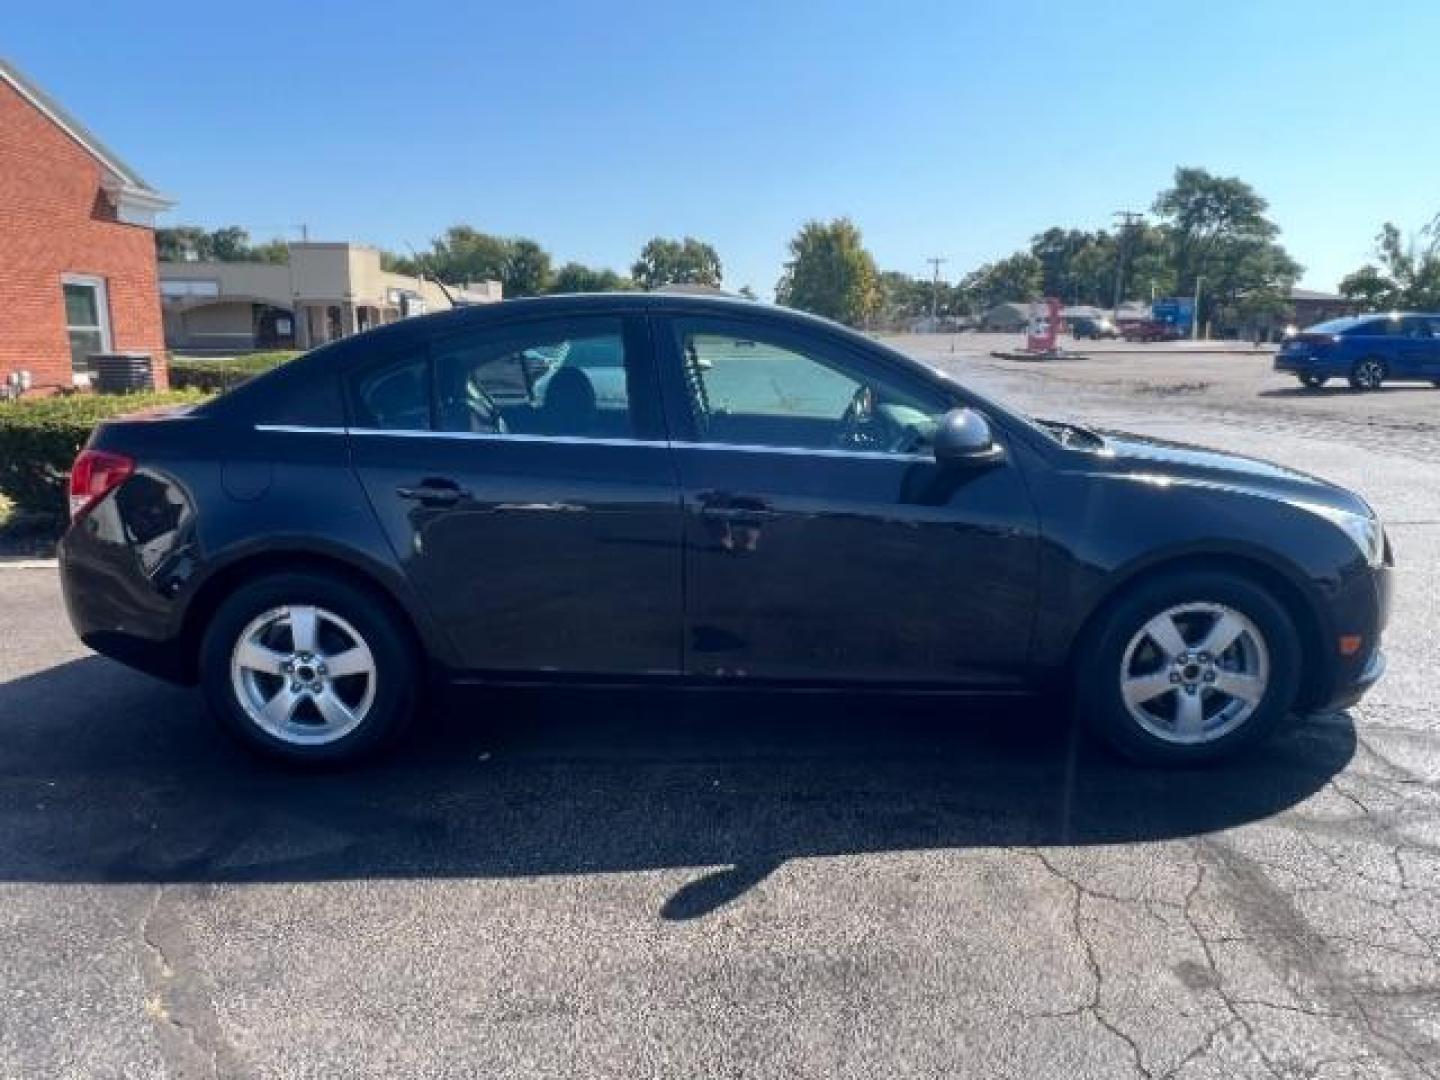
(585, 440)
(802, 451)
(300, 429)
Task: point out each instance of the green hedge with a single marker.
(39, 438)
(193, 373)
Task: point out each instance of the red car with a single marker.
(1149, 330)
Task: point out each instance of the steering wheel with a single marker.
(862, 427)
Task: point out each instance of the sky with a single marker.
(955, 129)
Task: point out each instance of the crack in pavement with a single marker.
(187, 1025)
(1092, 1007)
(1300, 950)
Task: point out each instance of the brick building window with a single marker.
(87, 318)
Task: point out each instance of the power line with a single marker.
(935, 261)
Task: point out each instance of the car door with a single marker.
(522, 474)
(822, 540)
(1415, 349)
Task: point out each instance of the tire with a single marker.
(1313, 382)
(1368, 373)
(253, 635)
(1159, 726)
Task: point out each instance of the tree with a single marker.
(187, 243)
(272, 251)
(399, 264)
(830, 273)
(1077, 266)
(575, 277)
(182, 243)
(676, 262)
(464, 254)
(1217, 230)
(1408, 277)
(230, 244)
(1373, 289)
(1017, 278)
(527, 269)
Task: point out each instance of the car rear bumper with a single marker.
(118, 610)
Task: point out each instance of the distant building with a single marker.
(1007, 317)
(327, 291)
(1304, 307)
(1310, 306)
(77, 275)
(1133, 311)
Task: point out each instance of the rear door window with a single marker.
(570, 378)
(393, 395)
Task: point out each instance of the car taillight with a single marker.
(95, 473)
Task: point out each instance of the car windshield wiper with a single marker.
(1074, 435)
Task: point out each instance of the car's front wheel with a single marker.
(1368, 373)
(1313, 382)
(1189, 668)
(308, 668)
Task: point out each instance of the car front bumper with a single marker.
(1363, 610)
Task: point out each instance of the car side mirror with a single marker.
(964, 438)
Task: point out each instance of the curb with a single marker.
(11, 562)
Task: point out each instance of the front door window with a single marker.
(746, 389)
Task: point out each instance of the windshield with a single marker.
(1334, 326)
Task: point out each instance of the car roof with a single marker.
(563, 305)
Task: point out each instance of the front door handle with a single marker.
(434, 491)
(746, 509)
(738, 513)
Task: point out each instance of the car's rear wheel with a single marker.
(1189, 668)
(1368, 373)
(308, 668)
(1314, 382)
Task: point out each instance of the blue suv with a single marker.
(1366, 349)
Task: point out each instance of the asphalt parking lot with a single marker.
(627, 885)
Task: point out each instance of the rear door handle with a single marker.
(434, 491)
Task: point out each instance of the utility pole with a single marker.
(1195, 320)
(935, 261)
(1128, 220)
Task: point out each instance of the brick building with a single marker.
(77, 244)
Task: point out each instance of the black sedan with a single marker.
(631, 488)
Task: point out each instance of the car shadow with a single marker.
(109, 776)
(1342, 389)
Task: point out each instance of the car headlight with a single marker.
(1364, 529)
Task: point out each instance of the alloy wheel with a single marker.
(1194, 673)
(1369, 374)
(303, 675)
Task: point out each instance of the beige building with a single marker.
(327, 291)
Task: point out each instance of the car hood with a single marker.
(1138, 455)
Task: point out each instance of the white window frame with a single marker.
(102, 307)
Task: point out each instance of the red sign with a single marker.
(1044, 330)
